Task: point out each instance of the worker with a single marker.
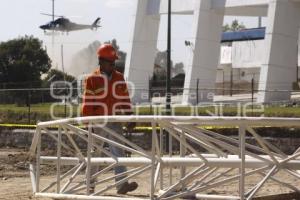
(106, 93)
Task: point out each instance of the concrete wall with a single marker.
(247, 54)
(239, 75)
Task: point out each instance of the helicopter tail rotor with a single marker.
(96, 23)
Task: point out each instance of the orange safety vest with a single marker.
(103, 96)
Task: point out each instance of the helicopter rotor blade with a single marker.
(74, 16)
(51, 15)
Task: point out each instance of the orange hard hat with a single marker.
(107, 52)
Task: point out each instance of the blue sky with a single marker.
(22, 17)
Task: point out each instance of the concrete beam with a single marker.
(178, 6)
(233, 7)
(242, 3)
(247, 7)
(251, 11)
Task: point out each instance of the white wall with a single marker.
(239, 75)
(247, 54)
(226, 55)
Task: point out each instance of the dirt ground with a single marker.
(15, 182)
(14, 175)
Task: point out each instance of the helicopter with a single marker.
(63, 24)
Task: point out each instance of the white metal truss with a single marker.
(205, 159)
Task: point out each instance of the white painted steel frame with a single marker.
(227, 159)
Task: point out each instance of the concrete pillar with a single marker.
(207, 30)
(279, 65)
(140, 59)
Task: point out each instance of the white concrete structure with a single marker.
(142, 54)
(279, 50)
(206, 52)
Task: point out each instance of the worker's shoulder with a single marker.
(118, 74)
(93, 74)
(96, 72)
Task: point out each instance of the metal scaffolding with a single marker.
(205, 159)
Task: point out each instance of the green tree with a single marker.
(235, 26)
(57, 75)
(22, 62)
(54, 75)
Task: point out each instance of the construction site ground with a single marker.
(15, 181)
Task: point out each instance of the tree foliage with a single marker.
(57, 75)
(23, 60)
(235, 26)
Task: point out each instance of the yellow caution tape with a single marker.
(138, 128)
(18, 125)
